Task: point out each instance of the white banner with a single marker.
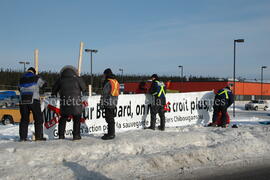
(133, 112)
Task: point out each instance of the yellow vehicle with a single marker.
(11, 115)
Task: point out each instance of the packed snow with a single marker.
(177, 153)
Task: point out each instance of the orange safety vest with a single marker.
(115, 87)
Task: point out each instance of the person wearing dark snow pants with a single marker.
(108, 101)
(158, 91)
(223, 100)
(70, 87)
(29, 86)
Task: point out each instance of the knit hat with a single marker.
(154, 76)
(108, 72)
(31, 69)
(230, 86)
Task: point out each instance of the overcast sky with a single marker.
(142, 36)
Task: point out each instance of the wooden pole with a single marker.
(90, 89)
(36, 60)
(80, 58)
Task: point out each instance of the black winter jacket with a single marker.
(221, 99)
(155, 89)
(70, 88)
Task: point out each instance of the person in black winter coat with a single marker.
(108, 101)
(70, 87)
(223, 100)
(158, 92)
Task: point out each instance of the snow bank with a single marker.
(141, 154)
(11, 132)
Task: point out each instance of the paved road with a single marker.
(258, 114)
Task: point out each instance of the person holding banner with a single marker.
(29, 86)
(223, 100)
(158, 91)
(108, 101)
(70, 87)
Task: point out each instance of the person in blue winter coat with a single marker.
(223, 100)
(29, 86)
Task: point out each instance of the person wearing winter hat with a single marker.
(158, 91)
(70, 87)
(29, 86)
(108, 101)
(224, 98)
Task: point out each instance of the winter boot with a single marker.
(212, 125)
(23, 139)
(150, 127)
(61, 137)
(108, 137)
(162, 123)
(111, 132)
(41, 139)
(77, 138)
(161, 128)
(224, 125)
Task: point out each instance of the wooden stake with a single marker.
(36, 60)
(90, 89)
(80, 59)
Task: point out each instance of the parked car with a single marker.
(9, 102)
(7, 94)
(256, 105)
(11, 116)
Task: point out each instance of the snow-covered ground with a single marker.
(178, 153)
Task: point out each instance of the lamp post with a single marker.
(91, 61)
(181, 67)
(24, 63)
(122, 72)
(234, 55)
(263, 67)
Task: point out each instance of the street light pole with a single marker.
(91, 62)
(182, 69)
(91, 71)
(263, 67)
(24, 63)
(122, 77)
(234, 55)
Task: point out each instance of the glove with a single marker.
(85, 104)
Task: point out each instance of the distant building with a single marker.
(244, 90)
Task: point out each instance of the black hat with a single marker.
(229, 86)
(107, 72)
(31, 69)
(154, 76)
